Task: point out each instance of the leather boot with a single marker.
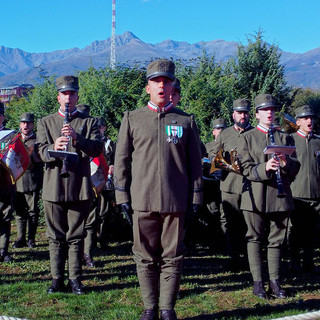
(5, 256)
(275, 290)
(20, 243)
(75, 286)
(150, 314)
(258, 290)
(168, 315)
(57, 286)
(88, 261)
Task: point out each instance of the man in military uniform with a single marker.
(67, 200)
(7, 193)
(266, 210)
(175, 96)
(158, 174)
(232, 221)
(28, 188)
(306, 192)
(101, 207)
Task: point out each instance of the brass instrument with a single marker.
(289, 123)
(220, 163)
(65, 155)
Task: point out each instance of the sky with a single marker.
(47, 25)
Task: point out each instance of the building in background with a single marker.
(8, 93)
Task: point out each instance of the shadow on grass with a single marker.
(260, 311)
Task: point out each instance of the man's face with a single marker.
(241, 118)
(216, 132)
(305, 124)
(175, 97)
(2, 117)
(26, 128)
(266, 116)
(102, 130)
(70, 97)
(159, 89)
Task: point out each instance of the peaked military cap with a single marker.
(101, 122)
(241, 105)
(1, 108)
(27, 117)
(264, 100)
(67, 83)
(84, 108)
(218, 123)
(304, 111)
(161, 68)
(176, 84)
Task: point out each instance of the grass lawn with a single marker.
(208, 289)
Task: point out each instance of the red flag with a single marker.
(99, 173)
(15, 158)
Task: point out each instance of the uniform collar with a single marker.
(262, 128)
(303, 135)
(155, 108)
(30, 136)
(72, 114)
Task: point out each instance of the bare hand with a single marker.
(273, 164)
(111, 170)
(61, 143)
(68, 131)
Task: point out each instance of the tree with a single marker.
(257, 69)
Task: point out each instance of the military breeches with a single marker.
(6, 216)
(158, 252)
(65, 230)
(232, 223)
(27, 205)
(267, 228)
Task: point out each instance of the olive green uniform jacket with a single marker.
(260, 189)
(33, 176)
(78, 186)
(227, 140)
(152, 171)
(307, 182)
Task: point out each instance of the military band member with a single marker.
(306, 192)
(7, 193)
(175, 96)
(67, 200)
(265, 212)
(28, 188)
(232, 220)
(158, 173)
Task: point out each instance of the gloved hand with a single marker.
(127, 210)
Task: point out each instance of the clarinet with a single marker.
(64, 170)
(281, 193)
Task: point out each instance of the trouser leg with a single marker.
(58, 256)
(255, 234)
(277, 233)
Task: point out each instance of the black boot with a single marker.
(57, 286)
(150, 314)
(75, 286)
(258, 290)
(275, 290)
(168, 315)
(88, 261)
(20, 243)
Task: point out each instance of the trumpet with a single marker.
(220, 163)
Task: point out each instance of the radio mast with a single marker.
(113, 37)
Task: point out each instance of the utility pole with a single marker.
(113, 37)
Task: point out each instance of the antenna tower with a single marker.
(113, 37)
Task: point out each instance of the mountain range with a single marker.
(19, 67)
